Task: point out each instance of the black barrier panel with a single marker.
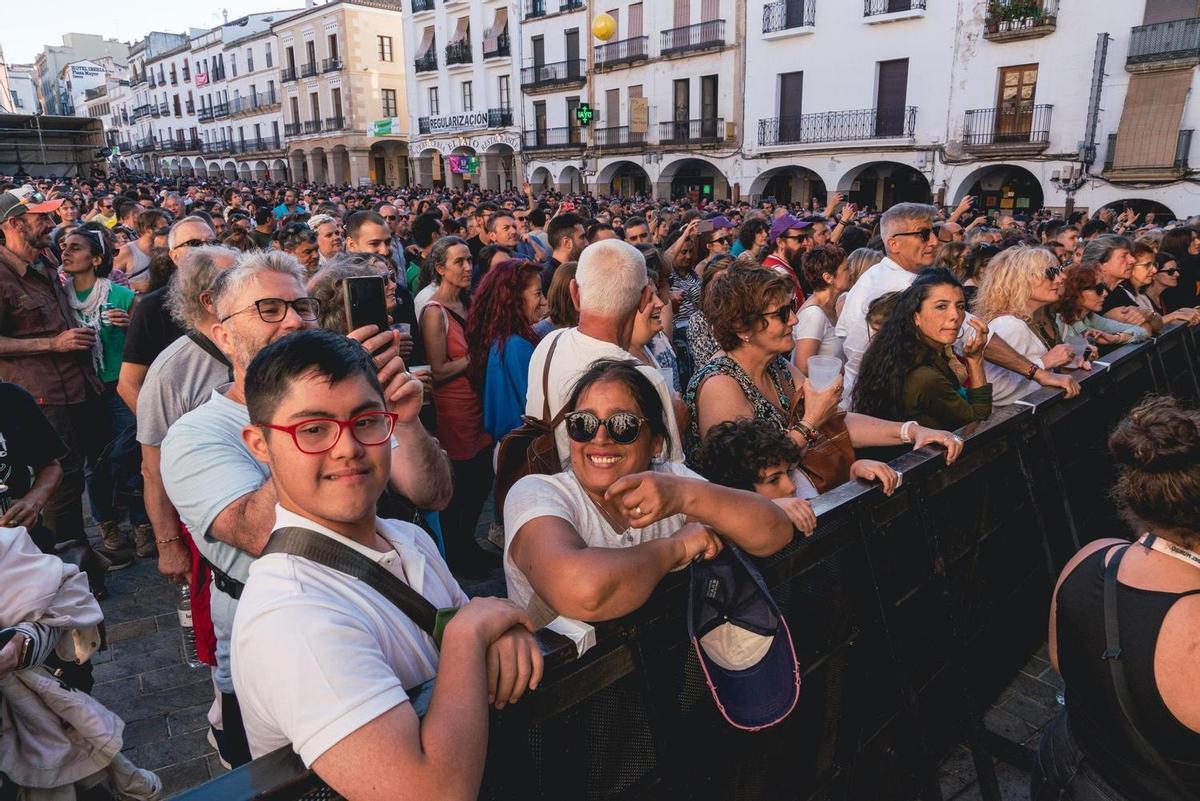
(909, 614)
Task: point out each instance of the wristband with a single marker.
(1033, 368)
(906, 432)
(169, 539)
(806, 431)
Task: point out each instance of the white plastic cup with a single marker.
(823, 371)
(1078, 346)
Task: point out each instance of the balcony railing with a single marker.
(874, 8)
(701, 36)
(155, 111)
(498, 47)
(289, 74)
(427, 62)
(190, 107)
(496, 118)
(784, 15)
(141, 111)
(552, 138)
(144, 146)
(1020, 19)
(618, 137)
(153, 82)
(1008, 126)
(291, 129)
(255, 102)
(559, 72)
(164, 109)
(206, 114)
(1165, 41)
(216, 148)
(458, 53)
(220, 110)
(626, 51)
(1183, 148)
(675, 132)
(500, 117)
(570, 5)
(308, 70)
(335, 123)
(312, 126)
(535, 8)
(838, 126)
(331, 64)
(422, 5)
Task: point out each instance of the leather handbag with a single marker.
(827, 461)
(529, 449)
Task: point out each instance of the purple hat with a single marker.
(784, 223)
(720, 222)
(743, 642)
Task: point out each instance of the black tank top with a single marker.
(1092, 708)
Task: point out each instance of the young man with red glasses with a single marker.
(324, 662)
(222, 493)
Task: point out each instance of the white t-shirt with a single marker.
(318, 654)
(813, 323)
(1008, 386)
(561, 495)
(575, 354)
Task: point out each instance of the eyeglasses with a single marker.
(623, 427)
(1170, 271)
(272, 310)
(162, 231)
(720, 240)
(784, 312)
(923, 233)
(195, 243)
(321, 434)
(1101, 289)
(389, 218)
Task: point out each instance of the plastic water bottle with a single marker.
(185, 624)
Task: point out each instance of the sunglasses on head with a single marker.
(784, 312)
(623, 427)
(1053, 272)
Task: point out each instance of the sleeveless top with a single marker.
(781, 383)
(1092, 707)
(140, 260)
(459, 409)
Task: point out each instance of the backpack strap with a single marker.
(546, 420)
(323, 550)
(1112, 655)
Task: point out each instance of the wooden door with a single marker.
(791, 99)
(891, 98)
(1014, 105)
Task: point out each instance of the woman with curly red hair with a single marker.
(507, 304)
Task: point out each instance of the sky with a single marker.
(25, 33)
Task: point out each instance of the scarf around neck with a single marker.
(87, 313)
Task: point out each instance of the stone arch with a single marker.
(693, 178)
(623, 178)
(541, 178)
(231, 170)
(1142, 207)
(279, 170)
(882, 184)
(214, 170)
(244, 171)
(186, 167)
(429, 168)
(318, 171)
(299, 166)
(790, 183)
(260, 171)
(340, 164)
(387, 162)
(459, 180)
(571, 180)
(498, 167)
(1002, 189)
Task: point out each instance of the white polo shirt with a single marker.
(318, 654)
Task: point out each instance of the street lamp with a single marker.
(1070, 180)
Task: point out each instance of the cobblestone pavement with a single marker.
(164, 703)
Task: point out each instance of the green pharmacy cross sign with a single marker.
(584, 114)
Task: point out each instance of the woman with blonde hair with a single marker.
(859, 262)
(1019, 283)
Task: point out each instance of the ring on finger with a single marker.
(637, 510)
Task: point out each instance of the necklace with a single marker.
(1155, 543)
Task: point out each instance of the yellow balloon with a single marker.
(604, 27)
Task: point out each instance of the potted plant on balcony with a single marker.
(1012, 15)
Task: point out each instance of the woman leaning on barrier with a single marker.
(1125, 629)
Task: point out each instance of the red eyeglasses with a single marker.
(321, 434)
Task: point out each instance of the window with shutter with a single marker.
(891, 98)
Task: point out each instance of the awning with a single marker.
(1149, 131)
(499, 25)
(426, 42)
(460, 32)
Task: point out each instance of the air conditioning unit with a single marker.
(731, 132)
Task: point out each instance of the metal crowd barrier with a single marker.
(910, 615)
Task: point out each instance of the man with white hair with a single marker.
(911, 240)
(329, 235)
(610, 288)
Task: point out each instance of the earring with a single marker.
(745, 338)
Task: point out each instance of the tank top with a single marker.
(764, 409)
(1092, 707)
(459, 409)
(140, 260)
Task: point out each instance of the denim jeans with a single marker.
(1063, 773)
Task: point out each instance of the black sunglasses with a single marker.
(784, 312)
(623, 427)
(1170, 271)
(196, 243)
(1101, 289)
(1054, 272)
(923, 233)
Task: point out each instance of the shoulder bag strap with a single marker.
(209, 347)
(1112, 655)
(326, 551)
(546, 381)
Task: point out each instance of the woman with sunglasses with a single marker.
(594, 541)
(752, 316)
(1165, 278)
(1021, 282)
(1080, 311)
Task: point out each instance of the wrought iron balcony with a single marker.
(206, 114)
(422, 5)
(335, 123)
(1175, 41)
(1021, 126)
(784, 15)
(187, 144)
(701, 36)
(291, 129)
(458, 53)
(331, 64)
(498, 47)
(838, 126)
(558, 73)
(220, 110)
(308, 70)
(312, 126)
(500, 117)
(552, 138)
(570, 5)
(625, 51)
(875, 8)
(153, 82)
(154, 110)
(141, 111)
(164, 109)
(677, 132)
(144, 146)
(535, 8)
(427, 62)
(620, 136)
(1149, 172)
(1009, 20)
(217, 148)
(289, 74)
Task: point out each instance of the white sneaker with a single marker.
(212, 740)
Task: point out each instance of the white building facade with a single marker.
(461, 92)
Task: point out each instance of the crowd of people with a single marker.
(186, 353)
